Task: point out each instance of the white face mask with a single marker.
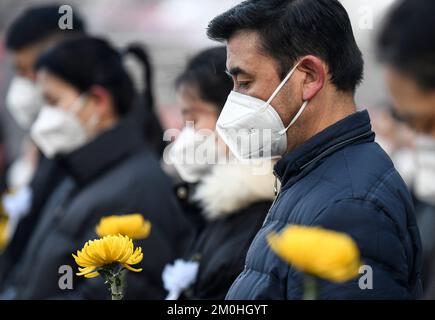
(24, 100)
(193, 154)
(252, 128)
(57, 131)
(424, 180)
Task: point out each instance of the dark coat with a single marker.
(221, 249)
(47, 177)
(234, 203)
(426, 222)
(113, 174)
(341, 180)
(191, 209)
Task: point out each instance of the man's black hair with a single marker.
(38, 24)
(290, 29)
(406, 40)
(206, 72)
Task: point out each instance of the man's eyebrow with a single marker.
(234, 72)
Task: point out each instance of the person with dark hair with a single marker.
(37, 29)
(32, 32)
(232, 216)
(110, 171)
(202, 88)
(405, 48)
(295, 66)
(32, 177)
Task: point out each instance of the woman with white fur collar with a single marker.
(233, 198)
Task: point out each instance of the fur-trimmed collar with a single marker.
(232, 187)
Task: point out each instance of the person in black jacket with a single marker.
(30, 34)
(110, 171)
(403, 46)
(295, 66)
(228, 195)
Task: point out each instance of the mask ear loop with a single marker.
(93, 121)
(78, 104)
(278, 89)
(295, 118)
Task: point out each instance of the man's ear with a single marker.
(315, 71)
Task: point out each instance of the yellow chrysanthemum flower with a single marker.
(133, 225)
(109, 250)
(323, 253)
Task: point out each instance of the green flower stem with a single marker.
(114, 278)
(116, 288)
(310, 288)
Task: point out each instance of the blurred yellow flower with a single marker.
(97, 254)
(3, 232)
(323, 253)
(133, 225)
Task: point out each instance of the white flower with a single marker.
(17, 204)
(179, 276)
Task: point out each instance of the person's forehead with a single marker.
(245, 55)
(50, 82)
(190, 101)
(242, 48)
(188, 92)
(401, 85)
(28, 53)
(188, 97)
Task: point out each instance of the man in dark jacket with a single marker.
(332, 173)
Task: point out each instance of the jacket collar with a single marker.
(102, 153)
(353, 129)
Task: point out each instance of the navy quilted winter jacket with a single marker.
(342, 180)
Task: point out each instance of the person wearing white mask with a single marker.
(231, 198)
(409, 61)
(110, 170)
(31, 33)
(31, 177)
(23, 101)
(295, 66)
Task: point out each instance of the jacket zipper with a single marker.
(275, 189)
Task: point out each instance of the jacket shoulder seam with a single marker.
(379, 182)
